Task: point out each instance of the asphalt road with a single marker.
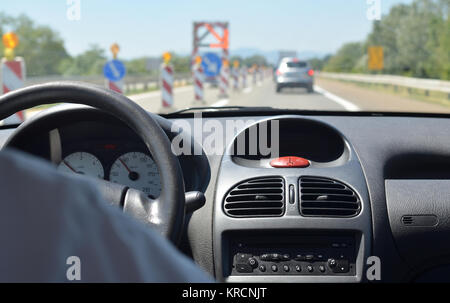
(261, 94)
(328, 95)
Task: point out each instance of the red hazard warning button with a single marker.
(284, 162)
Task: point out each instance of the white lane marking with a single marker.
(220, 103)
(157, 93)
(248, 90)
(344, 103)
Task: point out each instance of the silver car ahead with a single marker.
(292, 72)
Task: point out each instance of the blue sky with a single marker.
(150, 27)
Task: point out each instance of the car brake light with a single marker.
(311, 73)
(279, 73)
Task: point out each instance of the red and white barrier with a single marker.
(223, 81)
(167, 85)
(199, 79)
(116, 86)
(235, 73)
(224, 74)
(244, 76)
(13, 75)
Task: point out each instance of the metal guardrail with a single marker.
(131, 83)
(418, 83)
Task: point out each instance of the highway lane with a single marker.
(328, 95)
(262, 94)
(289, 98)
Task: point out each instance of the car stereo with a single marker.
(319, 255)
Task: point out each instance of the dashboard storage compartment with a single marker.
(312, 140)
(419, 212)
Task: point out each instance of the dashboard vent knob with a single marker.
(323, 197)
(259, 197)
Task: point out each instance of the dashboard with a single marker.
(387, 178)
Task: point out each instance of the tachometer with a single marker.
(137, 170)
(82, 163)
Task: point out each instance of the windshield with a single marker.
(374, 55)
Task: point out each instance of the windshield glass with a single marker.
(374, 55)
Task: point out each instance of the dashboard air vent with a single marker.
(259, 197)
(407, 220)
(322, 197)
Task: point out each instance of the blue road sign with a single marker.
(114, 70)
(211, 64)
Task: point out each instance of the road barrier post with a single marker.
(199, 79)
(114, 71)
(12, 73)
(116, 86)
(235, 78)
(255, 79)
(236, 75)
(167, 82)
(224, 77)
(244, 77)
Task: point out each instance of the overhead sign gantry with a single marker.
(202, 33)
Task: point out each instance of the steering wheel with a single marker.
(165, 213)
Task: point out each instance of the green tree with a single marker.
(137, 66)
(255, 59)
(346, 58)
(319, 63)
(418, 40)
(385, 33)
(90, 62)
(415, 40)
(181, 64)
(443, 51)
(40, 46)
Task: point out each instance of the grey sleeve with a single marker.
(46, 217)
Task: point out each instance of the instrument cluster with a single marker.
(115, 162)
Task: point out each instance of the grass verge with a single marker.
(435, 97)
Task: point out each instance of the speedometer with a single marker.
(82, 163)
(137, 170)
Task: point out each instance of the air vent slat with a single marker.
(330, 204)
(327, 190)
(322, 197)
(265, 180)
(322, 185)
(259, 197)
(326, 197)
(256, 192)
(258, 186)
(255, 197)
(254, 205)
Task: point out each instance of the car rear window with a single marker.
(298, 64)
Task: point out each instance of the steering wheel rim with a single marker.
(167, 212)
